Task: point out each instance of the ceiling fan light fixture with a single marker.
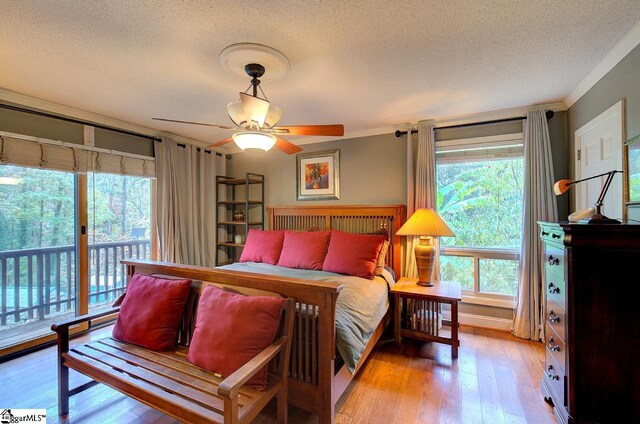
(254, 140)
(274, 113)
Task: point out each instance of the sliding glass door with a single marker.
(37, 251)
(119, 216)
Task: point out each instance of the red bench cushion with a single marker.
(231, 329)
(263, 246)
(151, 311)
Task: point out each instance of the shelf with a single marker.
(239, 202)
(230, 244)
(238, 223)
(238, 181)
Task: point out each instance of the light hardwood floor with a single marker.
(496, 379)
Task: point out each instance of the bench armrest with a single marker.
(229, 387)
(65, 324)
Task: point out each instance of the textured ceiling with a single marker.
(367, 64)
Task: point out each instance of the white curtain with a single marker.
(539, 204)
(186, 202)
(421, 187)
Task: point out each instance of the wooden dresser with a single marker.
(592, 326)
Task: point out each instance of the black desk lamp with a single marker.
(563, 185)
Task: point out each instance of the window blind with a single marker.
(59, 156)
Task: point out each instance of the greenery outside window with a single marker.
(480, 186)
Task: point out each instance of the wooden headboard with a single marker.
(352, 219)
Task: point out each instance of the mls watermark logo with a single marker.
(23, 416)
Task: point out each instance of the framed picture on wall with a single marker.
(318, 175)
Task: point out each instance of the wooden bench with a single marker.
(169, 383)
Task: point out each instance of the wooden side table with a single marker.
(417, 311)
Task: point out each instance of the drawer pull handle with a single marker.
(553, 261)
(553, 347)
(553, 289)
(544, 233)
(554, 235)
(552, 376)
(553, 317)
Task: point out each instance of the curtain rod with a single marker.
(549, 114)
(92, 124)
(78, 121)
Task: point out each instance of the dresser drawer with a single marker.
(555, 289)
(556, 347)
(555, 379)
(551, 233)
(556, 318)
(554, 260)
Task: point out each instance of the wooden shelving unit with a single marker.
(240, 194)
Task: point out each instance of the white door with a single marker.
(598, 150)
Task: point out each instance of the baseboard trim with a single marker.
(481, 321)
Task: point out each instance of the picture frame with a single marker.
(318, 175)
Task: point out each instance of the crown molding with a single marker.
(58, 109)
(630, 41)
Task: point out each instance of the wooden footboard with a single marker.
(313, 357)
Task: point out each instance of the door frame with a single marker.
(616, 109)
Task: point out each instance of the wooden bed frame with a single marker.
(314, 382)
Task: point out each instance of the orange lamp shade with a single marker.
(425, 222)
(561, 186)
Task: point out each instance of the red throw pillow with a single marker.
(151, 311)
(263, 246)
(231, 329)
(304, 249)
(353, 254)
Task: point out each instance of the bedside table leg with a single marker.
(454, 330)
(396, 320)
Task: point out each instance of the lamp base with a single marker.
(425, 253)
(598, 218)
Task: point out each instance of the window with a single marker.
(37, 250)
(480, 185)
(49, 269)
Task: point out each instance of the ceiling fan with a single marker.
(256, 120)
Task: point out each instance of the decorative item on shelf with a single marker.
(561, 186)
(427, 224)
(237, 239)
(238, 216)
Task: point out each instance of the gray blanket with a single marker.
(360, 306)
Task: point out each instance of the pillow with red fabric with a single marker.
(262, 246)
(304, 249)
(353, 254)
(151, 311)
(231, 329)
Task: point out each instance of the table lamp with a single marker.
(427, 224)
(562, 186)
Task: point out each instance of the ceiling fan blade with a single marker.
(287, 146)
(224, 127)
(335, 130)
(221, 142)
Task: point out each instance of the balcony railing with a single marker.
(38, 283)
